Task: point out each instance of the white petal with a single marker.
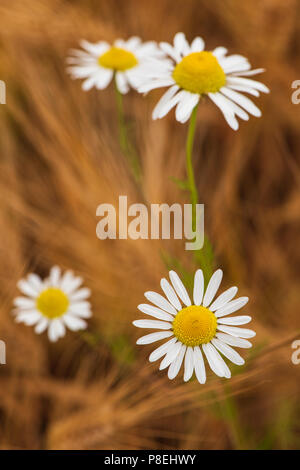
(54, 276)
(161, 350)
(168, 105)
(249, 72)
(80, 294)
(234, 341)
(223, 299)
(242, 101)
(103, 78)
(216, 363)
(248, 82)
(155, 312)
(29, 317)
(179, 288)
(186, 105)
(235, 108)
(41, 326)
(27, 288)
(24, 302)
(231, 307)
(199, 365)
(158, 83)
(181, 45)
(213, 286)
(197, 45)
(169, 50)
(239, 320)
(122, 83)
(55, 330)
(221, 102)
(160, 325)
(159, 109)
(176, 364)
(74, 323)
(239, 332)
(219, 52)
(35, 281)
(188, 364)
(160, 301)
(69, 283)
(170, 356)
(228, 352)
(96, 49)
(170, 293)
(244, 89)
(198, 287)
(152, 337)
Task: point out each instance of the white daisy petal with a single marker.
(122, 83)
(186, 105)
(158, 111)
(54, 276)
(162, 350)
(248, 82)
(223, 299)
(168, 105)
(80, 294)
(55, 330)
(233, 340)
(27, 288)
(176, 364)
(74, 323)
(155, 312)
(160, 325)
(242, 101)
(103, 78)
(95, 49)
(227, 112)
(231, 307)
(245, 89)
(24, 302)
(170, 293)
(198, 287)
(239, 320)
(212, 287)
(181, 45)
(228, 352)
(160, 301)
(153, 337)
(199, 365)
(235, 108)
(197, 45)
(29, 317)
(188, 364)
(249, 72)
(41, 326)
(179, 288)
(216, 363)
(69, 283)
(35, 281)
(171, 355)
(169, 50)
(159, 83)
(238, 332)
(220, 52)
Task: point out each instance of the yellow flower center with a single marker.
(117, 59)
(199, 72)
(52, 302)
(194, 325)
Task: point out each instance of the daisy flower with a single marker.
(99, 62)
(195, 72)
(197, 331)
(53, 304)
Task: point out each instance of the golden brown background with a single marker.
(60, 158)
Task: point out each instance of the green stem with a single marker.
(125, 145)
(189, 165)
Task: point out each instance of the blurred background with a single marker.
(60, 158)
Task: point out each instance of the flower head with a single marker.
(195, 72)
(195, 331)
(98, 63)
(53, 304)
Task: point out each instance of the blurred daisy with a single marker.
(53, 304)
(98, 63)
(196, 72)
(198, 331)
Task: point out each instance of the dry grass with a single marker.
(60, 158)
